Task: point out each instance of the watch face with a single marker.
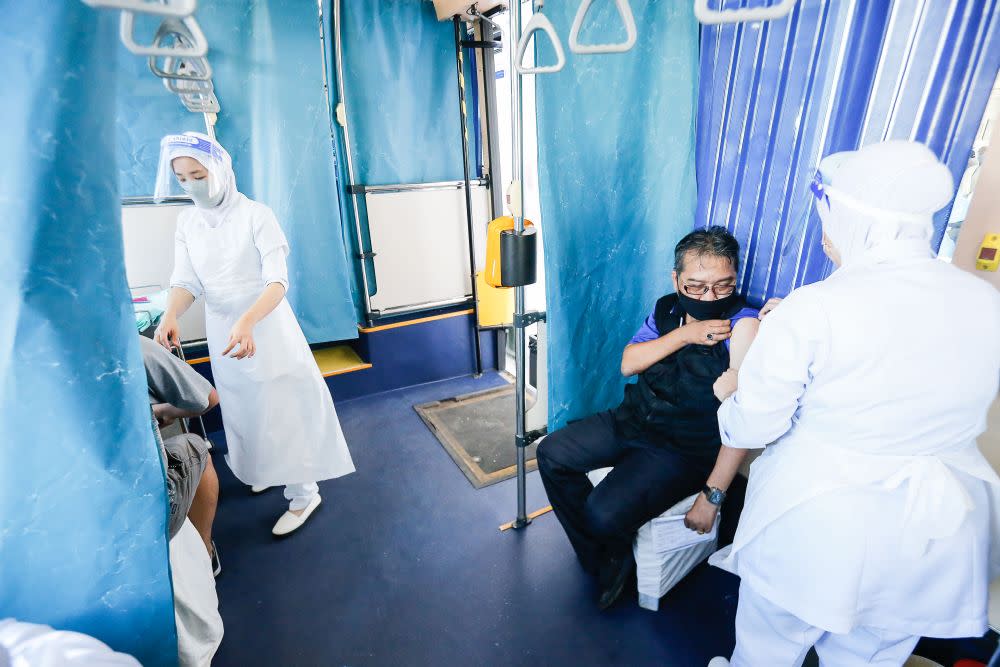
(716, 497)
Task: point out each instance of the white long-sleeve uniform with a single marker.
(873, 508)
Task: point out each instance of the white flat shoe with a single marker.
(290, 522)
(258, 489)
(718, 662)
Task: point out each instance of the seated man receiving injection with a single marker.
(663, 440)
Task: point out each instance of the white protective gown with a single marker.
(281, 425)
(873, 507)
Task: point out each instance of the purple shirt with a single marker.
(648, 330)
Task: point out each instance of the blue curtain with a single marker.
(83, 508)
(835, 75)
(616, 175)
(268, 73)
(402, 103)
(402, 96)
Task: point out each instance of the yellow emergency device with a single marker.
(492, 272)
(496, 304)
(988, 258)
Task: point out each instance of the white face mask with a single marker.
(199, 190)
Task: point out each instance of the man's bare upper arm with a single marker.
(743, 334)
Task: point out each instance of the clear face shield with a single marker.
(191, 166)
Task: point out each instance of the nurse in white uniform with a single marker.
(869, 520)
(281, 426)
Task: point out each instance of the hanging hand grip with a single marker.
(186, 69)
(624, 10)
(200, 102)
(181, 75)
(539, 22)
(746, 15)
(192, 41)
(177, 8)
(182, 85)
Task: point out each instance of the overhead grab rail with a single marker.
(628, 20)
(191, 75)
(185, 86)
(176, 8)
(190, 40)
(539, 22)
(181, 44)
(745, 15)
(188, 69)
(199, 102)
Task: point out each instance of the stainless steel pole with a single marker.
(463, 120)
(517, 118)
(341, 113)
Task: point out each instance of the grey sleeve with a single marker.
(171, 380)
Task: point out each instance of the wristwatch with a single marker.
(714, 495)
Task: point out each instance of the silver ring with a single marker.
(711, 337)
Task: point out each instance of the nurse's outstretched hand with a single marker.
(726, 385)
(168, 333)
(241, 335)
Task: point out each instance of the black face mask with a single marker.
(706, 310)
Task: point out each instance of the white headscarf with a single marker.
(211, 155)
(878, 203)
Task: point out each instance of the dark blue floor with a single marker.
(403, 565)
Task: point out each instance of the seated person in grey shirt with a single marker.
(177, 391)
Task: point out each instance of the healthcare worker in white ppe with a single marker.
(870, 516)
(281, 425)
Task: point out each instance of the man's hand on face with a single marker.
(709, 332)
(702, 515)
(726, 385)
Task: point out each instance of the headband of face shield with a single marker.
(824, 193)
(207, 185)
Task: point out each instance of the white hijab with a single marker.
(220, 169)
(880, 201)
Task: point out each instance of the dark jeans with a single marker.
(646, 481)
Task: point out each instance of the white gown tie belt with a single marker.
(936, 502)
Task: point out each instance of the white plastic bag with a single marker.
(658, 566)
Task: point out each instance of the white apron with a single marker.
(825, 527)
(281, 425)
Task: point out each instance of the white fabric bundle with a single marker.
(659, 567)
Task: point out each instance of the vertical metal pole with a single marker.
(517, 117)
(341, 113)
(210, 119)
(490, 105)
(489, 79)
(463, 119)
(185, 422)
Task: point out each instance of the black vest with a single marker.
(672, 405)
